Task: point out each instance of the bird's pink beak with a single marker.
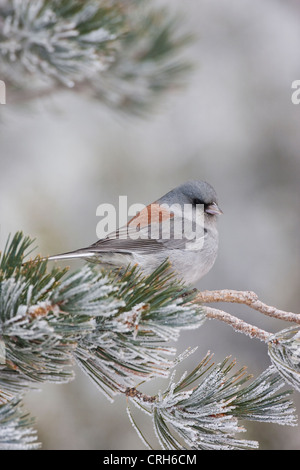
(213, 209)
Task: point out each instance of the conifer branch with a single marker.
(247, 298)
(238, 324)
(118, 327)
(207, 415)
(283, 347)
(16, 432)
(124, 54)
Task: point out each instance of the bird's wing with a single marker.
(140, 234)
(153, 229)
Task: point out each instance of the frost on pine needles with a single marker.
(122, 53)
(16, 432)
(284, 351)
(120, 328)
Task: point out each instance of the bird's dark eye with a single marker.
(204, 204)
(197, 201)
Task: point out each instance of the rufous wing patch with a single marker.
(151, 214)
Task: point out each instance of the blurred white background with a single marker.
(233, 125)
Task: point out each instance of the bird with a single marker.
(180, 226)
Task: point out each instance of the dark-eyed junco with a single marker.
(180, 226)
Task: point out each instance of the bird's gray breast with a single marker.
(189, 264)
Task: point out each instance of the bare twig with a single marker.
(237, 324)
(248, 298)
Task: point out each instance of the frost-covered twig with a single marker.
(248, 298)
(238, 324)
(283, 347)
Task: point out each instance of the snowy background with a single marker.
(233, 125)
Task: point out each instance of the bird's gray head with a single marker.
(194, 192)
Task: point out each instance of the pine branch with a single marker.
(237, 324)
(16, 432)
(132, 343)
(283, 347)
(207, 415)
(248, 298)
(284, 352)
(118, 327)
(123, 53)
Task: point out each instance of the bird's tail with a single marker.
(83, 253)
